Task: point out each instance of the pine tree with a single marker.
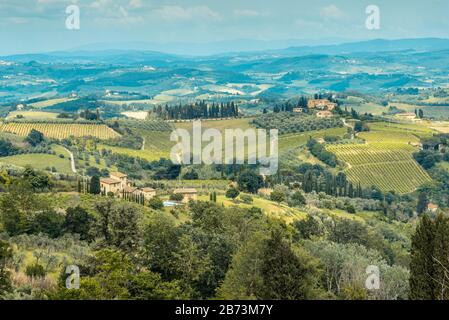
(286, 274)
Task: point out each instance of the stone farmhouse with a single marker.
(188, 194)
(321, 104)
(118, 184)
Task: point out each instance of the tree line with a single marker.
(197, 110)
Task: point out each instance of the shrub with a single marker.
(156, 203)
(35, 271)
(176, 197)
(232, 193)
(246, 198)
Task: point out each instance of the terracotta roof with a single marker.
(118, 174)
(185, 190)
(148, 189)
(432, 206)
(109, 181)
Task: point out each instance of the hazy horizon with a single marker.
(33, 26)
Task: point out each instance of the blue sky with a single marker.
(39, 25)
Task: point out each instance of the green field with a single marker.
(385, 160)
(41, 161)
(438, 112)
(444, 165)
(294, 140)
(270, 208)
(369, 107)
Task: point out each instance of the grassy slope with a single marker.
(41, 161)
(270, 208)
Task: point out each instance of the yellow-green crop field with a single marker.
(149, 155)
(49, 103)
(34, 115)
(60, 130)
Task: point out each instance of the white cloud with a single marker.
(331, 12)
(176, 13)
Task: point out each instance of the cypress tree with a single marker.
(422, 267)
(95, 185)
(422, 203)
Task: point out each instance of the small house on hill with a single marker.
(188, 194)
(265, 192)
(321, 104)
(407, 116)
(431, 207)
(148, 193)
(119, 185)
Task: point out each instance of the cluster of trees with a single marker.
(36, 144)
(90, 115)
(429, 158)
(226, 253)
(7, 148)
(35, 138)
(288, 106)
(197, 110)
(319, 151)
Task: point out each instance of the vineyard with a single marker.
(60, 130)
(385, 161)
(389, 166)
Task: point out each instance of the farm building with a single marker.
(407, 116)
(265, 192)
(119, 184)
(148, 193)
(431, 207)
(110, 185)
(188, 193)
(321, 104)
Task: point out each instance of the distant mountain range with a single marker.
(369, 66)
(137, 51)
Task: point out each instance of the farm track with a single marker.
(72, 160)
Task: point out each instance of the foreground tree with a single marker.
(429, 266)
(270, 269)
